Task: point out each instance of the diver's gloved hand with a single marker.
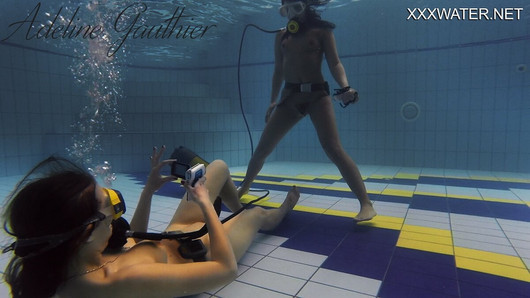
(346, 95)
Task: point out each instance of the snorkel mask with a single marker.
(30, 247)
(292, 9)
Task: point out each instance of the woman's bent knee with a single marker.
(219, 165)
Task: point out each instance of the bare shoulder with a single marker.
(324, 34)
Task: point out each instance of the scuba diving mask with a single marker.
(292, 9)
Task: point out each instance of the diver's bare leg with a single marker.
(280, 122)
(323, 118)
(242, 228)
(219, 183)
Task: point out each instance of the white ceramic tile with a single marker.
(346, 204)
(462, 191)
(516, 236)
(524, 244)
(481, 221)
(523, 252)
(515, 226)
(481, 238)
(273, 281)
(431, 188)
(497, 194)
(238, 289)
(270, 239)
(523, 194)
(318, 290)
(427, 224)
(477, 230)
(298, 256)
(347, 281)
(261, 248)
(375, 186)
(428, 215)
(479, 245)
(400, 187)
(321, 199)
(249, 259)
(286, 267)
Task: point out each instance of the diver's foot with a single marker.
(274, 216)
(367, 213)
(291, 199)
(241, 191)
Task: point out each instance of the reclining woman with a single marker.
(62, 221)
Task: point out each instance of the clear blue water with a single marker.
(459, 168)
(467, 79)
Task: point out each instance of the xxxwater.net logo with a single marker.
(465, 13)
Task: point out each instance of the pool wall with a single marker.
(468, 78)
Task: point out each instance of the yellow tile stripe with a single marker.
(509, 201)
(426, 239)
(425, 246)
(432, 194)
(493, 268)
(330, 177)
(440, 241)
(398, 192)
(407, 176)
(490, 257)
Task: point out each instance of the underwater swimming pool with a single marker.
(444, 113)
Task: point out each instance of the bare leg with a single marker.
(242, 228)
(323, 118)
(281, 121)
(219, 183)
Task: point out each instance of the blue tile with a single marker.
(425, 256)
(363, 233)
(472, 290)
(469, 207)
(429, 203)
(363, 263)
(393, 290)
(431, 180)
(447, 271)
(320, 236)
(293, 224)
(365, 251)
(491, 283)
(509, 211)
(446, 286)
(394, 199)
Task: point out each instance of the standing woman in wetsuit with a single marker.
(299, 50)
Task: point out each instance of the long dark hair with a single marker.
(55, 197)
(313, 19)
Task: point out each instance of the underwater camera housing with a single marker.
(195, 173)
(185, 158)
(185, 172)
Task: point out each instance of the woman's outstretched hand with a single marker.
(155, 180)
